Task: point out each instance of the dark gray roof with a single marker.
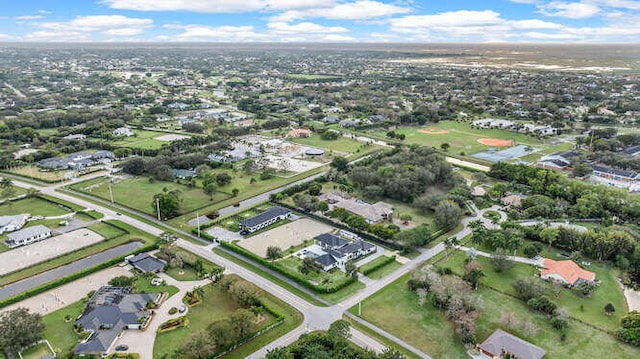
(330, 240)
(632, 151)
(27, 233)
(354, 247)
(325, 260)
(501, 340)
(146, 263)
(614, 171)
(107, 313)
(264, 216)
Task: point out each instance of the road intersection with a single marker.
(315, 317)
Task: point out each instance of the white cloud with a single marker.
(570, 10)
(111, 23)
(358, 10)
(621, 4)
(29, 17)
(219, 33)
(549, 36)
(534, 24)
(303, 28)
(337, 38)
(56, 36)
(126, 31)
(46, 12)
(215, 6)
(461, 18)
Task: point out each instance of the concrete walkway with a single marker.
(531, 261)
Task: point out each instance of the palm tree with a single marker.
(449, 243)
(198, 291)
(6, 182)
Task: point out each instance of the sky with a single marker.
(562, 21)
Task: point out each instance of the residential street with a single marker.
(315, 317)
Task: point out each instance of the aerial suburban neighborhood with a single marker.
(276, 200)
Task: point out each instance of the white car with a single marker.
(156, 281)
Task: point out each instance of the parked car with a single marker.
(182, 309)
(156, 281)
(122, 348)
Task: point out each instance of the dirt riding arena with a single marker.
(290, 234)
(170, 137)
(25, 256)
(433, 131)
(496, 142)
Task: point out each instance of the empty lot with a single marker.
(291, 234)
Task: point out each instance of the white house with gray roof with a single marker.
(28, 236)
(333, 251)
(264, 219)
(13, 223)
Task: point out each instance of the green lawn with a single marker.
(461, 137)
(106, 230)
(342, 144)
(143, 285)
(138, 193)
(144, 140)
(134, 234)
(59, 332)
(17, 191)
(37, 352)
(588, 309)
(188, 273)
(396, 310)
(216, 306)
(321, 278)
(382, 271)
(34, 206)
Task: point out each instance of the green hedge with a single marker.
(294, 276)
(184, 319)
(64, 280)
(68, 205)
(378, 265)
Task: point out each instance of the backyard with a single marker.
(218, 305)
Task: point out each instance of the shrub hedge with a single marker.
(294, 276)
(378, 265)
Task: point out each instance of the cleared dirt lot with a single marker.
(291, 234)
(25, 256)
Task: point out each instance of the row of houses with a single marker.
(490, 123)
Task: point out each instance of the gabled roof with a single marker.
(501, 340)
(146, 263)
(27, 233)
(330, 240)
(568, 270)
(615, 171)
(264, 216)
(326, 260)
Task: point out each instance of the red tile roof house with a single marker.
(565, 271)
(500, 343)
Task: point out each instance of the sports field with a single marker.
(461, 137)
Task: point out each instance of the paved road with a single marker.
(315, 317)
(63, 271)
(18, 92)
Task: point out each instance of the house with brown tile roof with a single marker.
(566, 271)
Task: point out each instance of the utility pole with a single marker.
(158, 207)
(110, 192)
(359, 308)
(198, 219)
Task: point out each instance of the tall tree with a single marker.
(19, 328)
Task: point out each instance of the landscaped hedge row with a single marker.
(173, 324)
(363, 235)
(59, 202)
(379, 265)
(294, 276)
(231, 347)
(64, 280)
(203, 234)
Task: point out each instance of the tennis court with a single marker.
(505, 155)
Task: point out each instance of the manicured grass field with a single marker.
(342, 144)
(327, 279)
(144, 140)
(396, 310)
(188, 273)
(134, 234)
(461, 137)
(59, 332)
(382, 271)
(34, 206)
(17, 192)
(138, 193)
(106, 230)
(218, 305)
